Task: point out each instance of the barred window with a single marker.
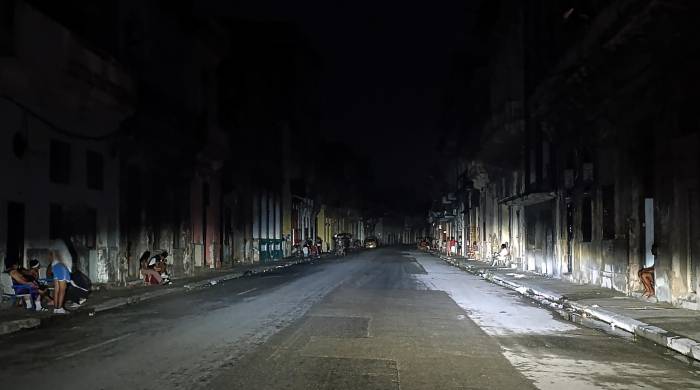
(59, 170)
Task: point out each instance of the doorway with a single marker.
(693, 239)
(569, 237)
(205, 209)
(15, 233)
(648, 231)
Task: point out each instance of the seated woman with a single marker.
(503, 256)
(150, 275)
(160, 264)
(473, 252)
(33, 274)
(25, 286)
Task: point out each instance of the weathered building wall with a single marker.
(676, 215)
(60, 105)
(606, 225)
(92, 213)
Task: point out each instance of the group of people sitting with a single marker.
(62, 283)
(154, 269)
(67, 285)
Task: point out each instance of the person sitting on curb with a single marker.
(646, 276)
(25, 286)
(502, 257)
(150, 276)
(33, 273)
(159, 263)
(473, 251)
(78, 289)
(148, 269)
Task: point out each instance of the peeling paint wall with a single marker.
(32, 188)
(676, 214)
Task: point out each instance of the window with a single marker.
(608, 212)
(91, 229)
(59, 169)
(205, 194)
(586, 220)
(94, 170)
(7, 16)
(55, 221)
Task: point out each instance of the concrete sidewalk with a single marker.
(13, 319)
(673, 327)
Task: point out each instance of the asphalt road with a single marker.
(382, 319)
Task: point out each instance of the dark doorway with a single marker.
(693, 238)
(569, 237)
(15, 233)
(205, 207)
(132, 231)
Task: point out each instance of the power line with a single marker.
(57, 128)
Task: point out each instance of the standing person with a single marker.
(61, 279)
(319, 245)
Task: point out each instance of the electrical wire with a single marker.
(59, 129)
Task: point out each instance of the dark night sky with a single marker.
(385, 67)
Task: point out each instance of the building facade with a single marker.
(578, 187)
(61, 107)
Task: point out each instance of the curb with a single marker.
(559, 303)
(9, 327)
(120, 302)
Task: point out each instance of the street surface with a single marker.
(383, 319)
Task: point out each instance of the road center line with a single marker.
(247, 291)
(94, 346)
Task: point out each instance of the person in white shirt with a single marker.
(503, 256)
(504, 252)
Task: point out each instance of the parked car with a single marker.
(371, 243)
